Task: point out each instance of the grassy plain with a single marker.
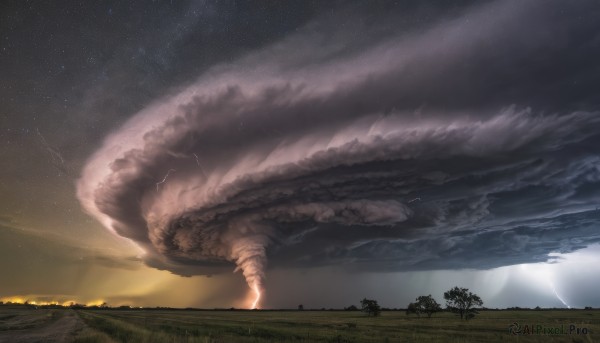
(308, 326)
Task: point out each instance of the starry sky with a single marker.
(195, 153)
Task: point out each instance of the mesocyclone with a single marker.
(314, 160)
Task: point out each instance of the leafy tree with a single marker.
(413, 308)
(370, 307)
(300, 307)
(351, 308)
(427, 305)
(424, 304)
(461, 301)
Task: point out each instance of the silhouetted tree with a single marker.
(461, 301)
(428, 305)
(351, 308)
(300, 307)
(424, 304)
(370, 307)
(413, 308)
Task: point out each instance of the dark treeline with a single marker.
(349, 308)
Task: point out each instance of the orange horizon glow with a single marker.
(36, 301)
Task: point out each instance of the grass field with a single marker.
(300, 326)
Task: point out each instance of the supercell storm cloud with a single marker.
(468, 143)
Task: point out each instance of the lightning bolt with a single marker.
(556, 293)
(257, 299)
(543, 273)
(415, 199)
(56, 158)
(199, 166)
(164, 179)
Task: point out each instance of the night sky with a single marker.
(324, 151)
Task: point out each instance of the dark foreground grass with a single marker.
(20, 318)
(329, 326)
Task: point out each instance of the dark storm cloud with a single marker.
(468, 142)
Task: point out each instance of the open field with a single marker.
(67, 325)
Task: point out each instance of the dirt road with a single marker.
(28, 326)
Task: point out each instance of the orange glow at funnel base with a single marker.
(257, 299)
